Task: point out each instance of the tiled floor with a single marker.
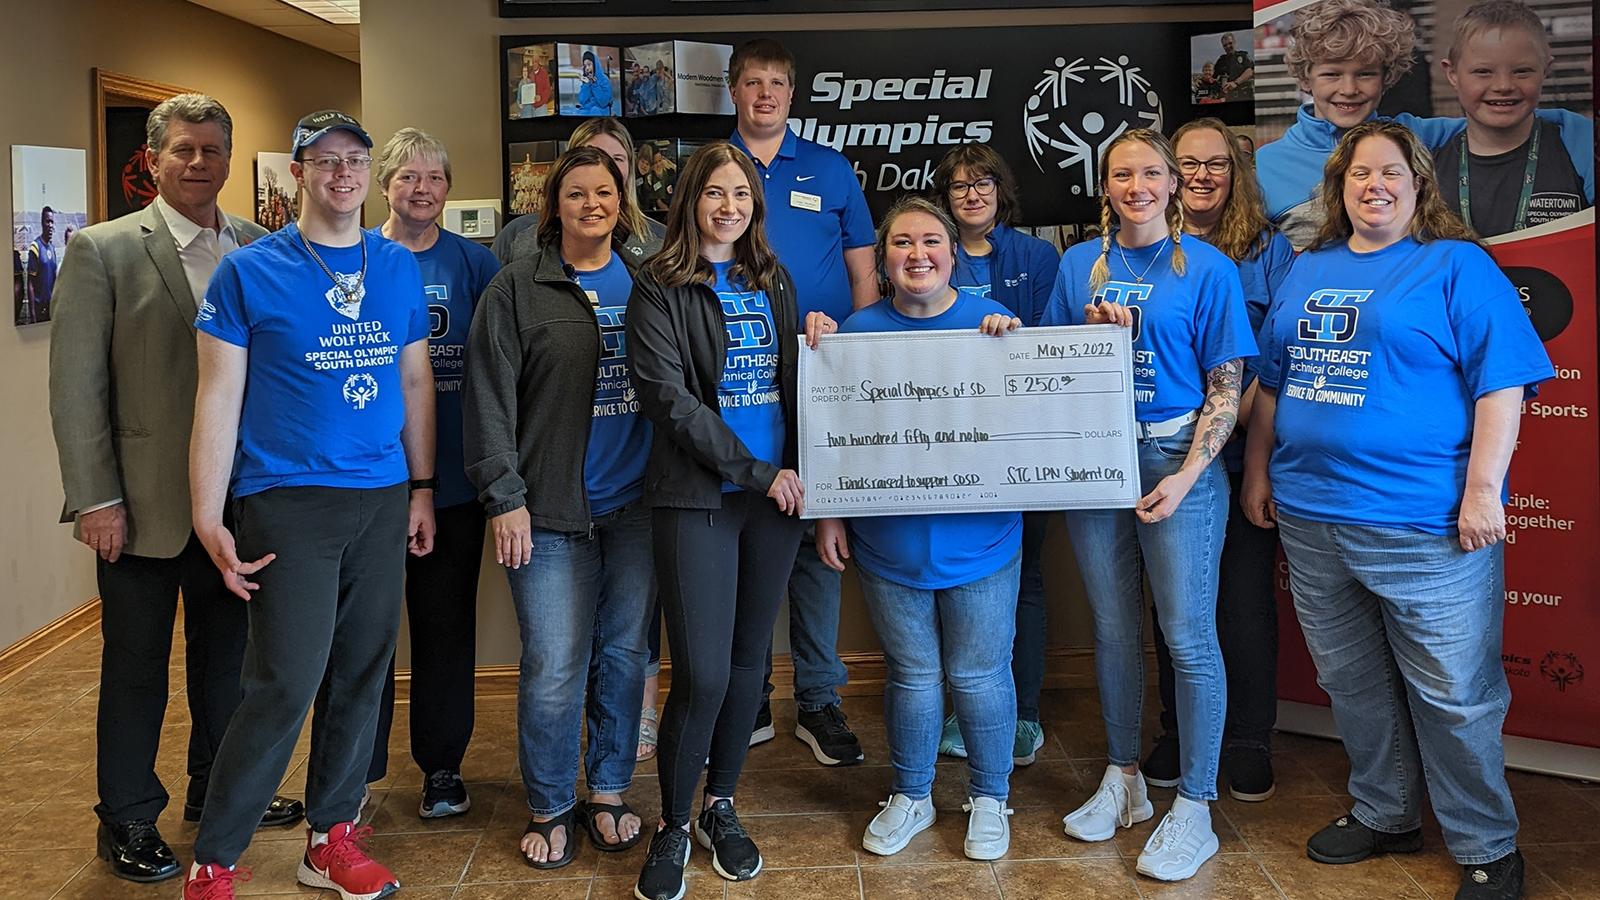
(808, 820)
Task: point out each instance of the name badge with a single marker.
(802, 200)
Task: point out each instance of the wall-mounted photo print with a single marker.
(589, 80)
(1221, 67)
(277, 197)
(531, 81)
(527, 165)
(49, 203)
(677, 76)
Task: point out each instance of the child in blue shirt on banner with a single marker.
(1182, 300)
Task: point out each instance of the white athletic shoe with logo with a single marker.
(1181, 844)
(1121, 801)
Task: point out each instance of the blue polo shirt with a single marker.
(815, 212)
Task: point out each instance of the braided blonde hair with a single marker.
(1101, 272)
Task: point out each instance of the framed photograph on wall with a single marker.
(277, 199)
(123, 180)
(49, 202)
(1222, 67)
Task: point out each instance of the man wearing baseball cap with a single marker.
(316, 393)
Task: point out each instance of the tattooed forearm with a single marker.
(1220, 412)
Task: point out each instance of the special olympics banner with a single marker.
(1048, 99)
(956, 421)
(1551, 647)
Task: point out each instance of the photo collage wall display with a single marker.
(677, 77)
(527, 165)
(656, 165)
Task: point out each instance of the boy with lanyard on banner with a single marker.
(1506, 172)
(819, 225)
(1345, 54)
(316, 393)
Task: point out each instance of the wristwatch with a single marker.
(424, 484)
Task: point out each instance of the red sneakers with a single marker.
(213, 882)
(342, 865)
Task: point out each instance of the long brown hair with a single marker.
(1101, 272)
(577, 158)
(1242, 230)
(979, 160)
(679, 262)
(1431, 221)
(612, 127)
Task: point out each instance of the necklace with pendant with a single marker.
(1139, 278)
(347, 295)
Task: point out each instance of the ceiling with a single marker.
(341, 36)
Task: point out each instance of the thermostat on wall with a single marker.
(475, 219)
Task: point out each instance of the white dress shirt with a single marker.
(199, 248)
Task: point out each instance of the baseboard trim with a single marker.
(16, 658)
(1069, 667)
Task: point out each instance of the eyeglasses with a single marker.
(332, 163)
(984, 186)
(1217, 165)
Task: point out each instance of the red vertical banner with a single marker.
(1551, 649)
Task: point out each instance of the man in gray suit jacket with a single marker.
(122, 388)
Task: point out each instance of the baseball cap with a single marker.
(316, 125)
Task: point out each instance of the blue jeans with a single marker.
(1180, 554)
(960, 635)
(1405, 629)
(813, 630)
(581, 606)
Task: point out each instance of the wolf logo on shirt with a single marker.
(346, 295)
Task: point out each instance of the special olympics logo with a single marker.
(360, 389)
(1563, 669)
(1077, 109)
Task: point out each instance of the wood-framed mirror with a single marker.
(123, 182)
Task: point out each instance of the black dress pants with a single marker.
(138, 605)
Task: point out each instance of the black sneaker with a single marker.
(662, 875)
(831, 740)
(1498, 880)
(1161, 767)
(733, 854)
(444, 795)
(1349, 841)
(1249, 768)
(763, 731)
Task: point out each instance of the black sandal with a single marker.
(586, 814)
(543, 830)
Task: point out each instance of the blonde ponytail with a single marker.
(1101, 273)
(1175, 224)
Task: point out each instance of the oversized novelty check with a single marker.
(957, 421)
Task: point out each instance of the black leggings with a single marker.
(719, 573)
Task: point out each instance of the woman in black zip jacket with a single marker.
(557, 449)
(713, 351)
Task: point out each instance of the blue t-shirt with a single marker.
(322, 403)
(455, 271)
(931, 552)
(973, 273)
(619, 438)
(1378, 359)
(752, 405)
(815, 212)
(1183, 325)
(1260, 275)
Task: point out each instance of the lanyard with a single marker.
(1523, 199)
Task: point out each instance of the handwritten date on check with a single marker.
(956, 421)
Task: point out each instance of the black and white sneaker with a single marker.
(662, 875)
(733, 854)
(831, 740)
(763, 730)
(445, 794)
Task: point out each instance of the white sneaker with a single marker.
(901, 820)
(1121, 801)
(1181, 843)
(988, 828)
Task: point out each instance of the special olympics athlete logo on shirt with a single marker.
(1331, 315)
(360, 389)
(742, 316)
(1078, 108)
